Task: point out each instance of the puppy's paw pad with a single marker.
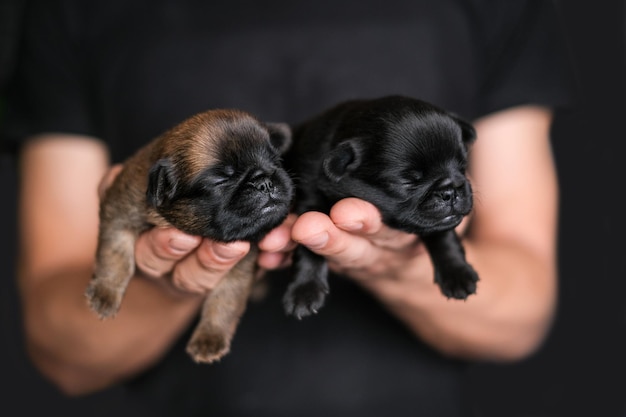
(459, 283)
(207, 348)
(103, 300)
(305, 299)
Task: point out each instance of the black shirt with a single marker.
(125, 71)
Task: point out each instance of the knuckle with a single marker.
(171, 244)
(209, 262)
(216, 258)
(150, 265)
(163, 249)
(187, 285)
(149, 270)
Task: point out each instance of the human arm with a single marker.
(58, 224)
(510, 241)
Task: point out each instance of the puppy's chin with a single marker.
(446, 223)
(225, 225)
(251, 227)
(425, 225)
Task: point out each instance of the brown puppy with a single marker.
(217, 175)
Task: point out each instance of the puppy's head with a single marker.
(219, 175)
(408, 158)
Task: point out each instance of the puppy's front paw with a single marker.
(304, 299)
(458, 282)
(207, 347)
(103, 299)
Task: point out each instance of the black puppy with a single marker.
(217, 174)
(405, 156)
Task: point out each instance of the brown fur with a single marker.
(190, 149)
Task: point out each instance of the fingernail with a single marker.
(317, 241)
(183, 243)
(228, 251)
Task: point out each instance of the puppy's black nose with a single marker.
(448, 195)
(262, 181)
(264, 185)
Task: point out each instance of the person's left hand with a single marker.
(356, 243)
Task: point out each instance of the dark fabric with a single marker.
(125, 71)
(351, 359)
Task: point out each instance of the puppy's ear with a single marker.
(343, 159)
(468, 132)
(162, 183)
(280, 136)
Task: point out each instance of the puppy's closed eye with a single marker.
(221, 175)
(411, 178)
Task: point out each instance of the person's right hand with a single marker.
(191, 263)
(188, 263)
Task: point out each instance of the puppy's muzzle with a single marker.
(453, 191)
(449, 195)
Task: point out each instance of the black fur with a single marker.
(405, 156)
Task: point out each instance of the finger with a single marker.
(201, 271)
(363, 218)
(317, 232)
(277, 245)
(158, 250)
(462, 227)
(274, 260)
(279, 239)
(108, 179)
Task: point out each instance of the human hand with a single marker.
(277, 246)
(356, 243)
(193, 264)
(190, 263)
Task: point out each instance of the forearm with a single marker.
(79, 352)
(58, 231)
(506, 319)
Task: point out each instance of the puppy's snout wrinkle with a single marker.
(454, 182)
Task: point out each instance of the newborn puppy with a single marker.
(217, 175)
(405, 156)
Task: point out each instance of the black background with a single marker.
(581, 369)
